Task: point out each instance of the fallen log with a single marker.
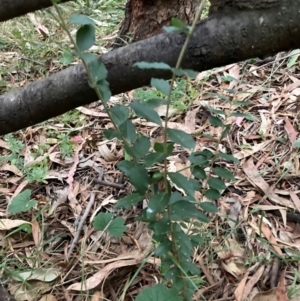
(10, 9)
(228, 36)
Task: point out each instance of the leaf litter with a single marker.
(255, 232)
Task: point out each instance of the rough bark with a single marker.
(5, 296)
(229, 36)
(14, 8)
(217, 5)
(144, 19)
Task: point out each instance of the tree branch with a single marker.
(10, 9)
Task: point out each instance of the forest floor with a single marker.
(250, 248)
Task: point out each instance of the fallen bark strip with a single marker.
(10, 9)
(229, 36)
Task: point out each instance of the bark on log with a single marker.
(5, 296)
(229, 36)
(144, 19)
(10, 9)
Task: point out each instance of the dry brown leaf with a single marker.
(4, 144)
(252, 281)
(270, 237)
(295, 200)
(281, 293)
(291, 132)
(7, 224)
(238, 293)
(235, 268)
(106, 153)
(190, 120)
(48, 297)
(98, 296)
(11, 168)
(72, 171)
(90, 112)
(36, 233)
(97, 278)
(254, 149)
(254, 177)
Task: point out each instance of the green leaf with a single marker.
(158, 292)
(216, 183)
(103, 87)
(140, 148)
(81, 19)
(21, 202)
(163, 248)
(67, 58)
(188, 185)
(137, 175)
(119, 114)
(114, 227)
(225, 131)
(153, 158)
(156, 102)
(146, 65)
(102, 220)
(201, 158)
(182, 138)
(177, 23)
(209, 207)
(128, 131)
(85, 37)
(228, 157)
(111, 134)
(155, 176)
(129, 201)
(223, 173)
(246, 116)
(215, 121)
(117, 227)
(184, 210)
(162, 226)
(188, 72)
(212, 194)
(198, 172)
(161, 85)
(142, 110)
(215, 111)
(97, 69)
(293, 58)
(158, 203)
(159, 147)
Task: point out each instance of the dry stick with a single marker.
(84, 217)
(111, 184)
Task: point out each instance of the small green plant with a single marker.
(174, 218)
(16, 147)
(34, 173)
(66, 146)
(21, 203)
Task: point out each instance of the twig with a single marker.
(111, 184)
(83, 218)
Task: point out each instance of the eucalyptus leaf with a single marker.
(223, 173)
(140, 147)
(142, 110)
(128, 131)
(188, 185)
(119, 114)
(85, 37)
(182, 138)
(137, 175)
(161, 85)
